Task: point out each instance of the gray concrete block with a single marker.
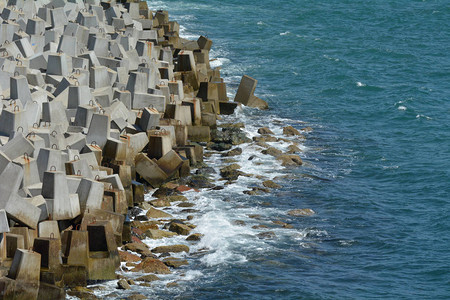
(4, 224)
(22, 211)
(246, 89)
(99, 129)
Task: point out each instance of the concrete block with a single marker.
(40, 203)
(22, 211)
(49, 229)
(159, 144)
(115, 149)
(90, 194)
(142, 100)
(58, 65)
(149, 119)
(199, 133)
(61, 204)
(26, 266)
(4, 224)
(30, 170)
(49, 159)
(149, 170)
(17, 146)
(246, 89)
(170, 162)
(75, 247)
(99, 130)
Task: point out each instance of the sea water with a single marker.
(372, 80)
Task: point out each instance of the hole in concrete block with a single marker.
(97, 238)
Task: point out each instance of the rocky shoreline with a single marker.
(107, 117)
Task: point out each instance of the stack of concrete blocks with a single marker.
(97, 98)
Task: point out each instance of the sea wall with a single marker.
(102, 104)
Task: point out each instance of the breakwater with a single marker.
(102, 104)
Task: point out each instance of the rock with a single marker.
(307, 129)
(233, 152)
(252, 157)
(148, 278)
(218, 146)
(185, 204)
(256, 191)
(82, 293)
(133, 212)
(176, 198)
(171, 248)
(128, 257)
(266, 235)
(161, 202)
(271, 184)
(290, 131)
(159, 234)
(152, 265)
(180, 228)
(136, 297)
(165, 191)
(231, 172)
(157, 214)
(272, 151)
(140, 248)
(302, 212)
(264, 139)
(175, 262)
(194, 237)
(288, 160)
(293, 149)
(199, 181)
(206, 171)
(260, 226)
(122, 284)
(264, 130)
(190, 217)
(263, 144)
(233, 125)
(172, 284)
(239, 222)
(254, 216)
(283, 224)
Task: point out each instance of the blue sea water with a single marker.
(372, 79)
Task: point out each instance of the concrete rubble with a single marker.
(101, 101)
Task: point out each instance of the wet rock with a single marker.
(128, 257)
(289, 160)
(219, 146)
(263, 144)
(206, 171)
(185, 204)
(231, 172)
(190, 217)
(233, 125)
(137, 232)
(171, 248)
(136, 297)
(229, 135)
(159, 234)
(239, 222)
(152, 265)
(233, 152)
(264, 139)
(165, 254)
(302, 212)
(175, 262)
(290, 131)
(260, 226)
(172, 284)
(194, 237)
(264, 130)
(266, 204)
(133, 212)
(218, 187)
(272, 151)
(252, 157)
(267, 235)
(254, 216)
(141, 218)
(161, 202)
(199, 181)
(122, 284)
(148, 278)
(293, 149)
(176, 198)
(82, 293)
(145, 205)
(256, 191)
(165, 191)
(180, 228)
(157, 214)
(307, 129)
(271, 184)
(190, 211)
(282, 224)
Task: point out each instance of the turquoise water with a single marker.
(372, 78)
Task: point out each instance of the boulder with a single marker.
(148, 278)
(194, 237)
(180, 228)
(152, 265)
(175, 262)
(302, 212)
(159, 234)
(171, 248)
(264, 130)
(122, 284)
(288, 160)
(271, 184)
(233, 152)
(154, 213)
(272, 151)
(128, 257)
(290, 131)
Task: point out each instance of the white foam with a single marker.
(260, 23)
(360, 84)
(401, 107)
(285, 33)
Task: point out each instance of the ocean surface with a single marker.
(372, 80)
